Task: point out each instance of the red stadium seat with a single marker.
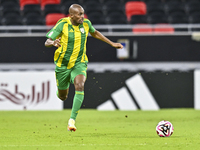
(44, 2)
(135, 8)
(142, 29)
(51, 19)
(27, 2)
(163, 28)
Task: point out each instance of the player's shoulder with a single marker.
(63, 20)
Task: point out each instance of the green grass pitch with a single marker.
(98, 130)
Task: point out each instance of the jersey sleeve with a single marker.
(91, 28)
(55, 31)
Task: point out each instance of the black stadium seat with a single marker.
(194, 18)
(32, 8)
(138, 19)
(156, 18)
(155, 7)
(34, 19)
(112, 6)
(175, 6)
(193, 7)
(116, 18)
(12, 19)
(97, 18)
(52, 8)
(10, 7)
(91, 7)
(178, 18)
(10, 1)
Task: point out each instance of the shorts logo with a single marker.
(82, 30)
(83, 72)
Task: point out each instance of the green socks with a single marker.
(77, 102)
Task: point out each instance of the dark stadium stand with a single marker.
(92, 6)
(135, 19)
(32, 8)
(157, 17)
(97, 18)
(34, 19)
(10, 7)
(52, 8)
(12, 19)
(116, 18)
(153, 7)
(38, 12)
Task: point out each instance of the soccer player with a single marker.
(69, 35)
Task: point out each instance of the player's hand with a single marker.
(56, 43)
(117, 45)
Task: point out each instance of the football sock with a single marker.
(77, 102)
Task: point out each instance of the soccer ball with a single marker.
(164, 128)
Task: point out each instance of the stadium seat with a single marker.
(156, 18)
(116, 1)
(31, 8)
(194, 18)
(155, 7)
(5, 1)
(138, 19)
(175, 6)
(91, 7)
(163, 28)
(28, 2)
(10, 7)
(51, 19)
(34, 19)
(97, 18)
(45, 2)
(112, 6)
(12, 19)
(135, 8)
(193, 7)
(142, 29)
(178, 18)
(52, 8)
(116, 18)
(67, 3)
(85, 1)
(0, 20)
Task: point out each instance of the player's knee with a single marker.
(79, 86)
(63, 98)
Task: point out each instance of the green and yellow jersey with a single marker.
(73, 42)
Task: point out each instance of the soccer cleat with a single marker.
(71, 125)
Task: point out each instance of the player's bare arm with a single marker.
(49, 42)
(101, 37)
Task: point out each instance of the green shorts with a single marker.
(66, 76)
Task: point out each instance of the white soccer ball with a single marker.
(164, 128)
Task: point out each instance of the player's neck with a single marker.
(73, 23)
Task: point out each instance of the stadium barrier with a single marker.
(164, 67)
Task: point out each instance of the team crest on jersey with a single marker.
(82, 30)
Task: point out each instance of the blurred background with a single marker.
(157, 68)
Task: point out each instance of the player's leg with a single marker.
(62, 94)
(78, 76)
(79, 82)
